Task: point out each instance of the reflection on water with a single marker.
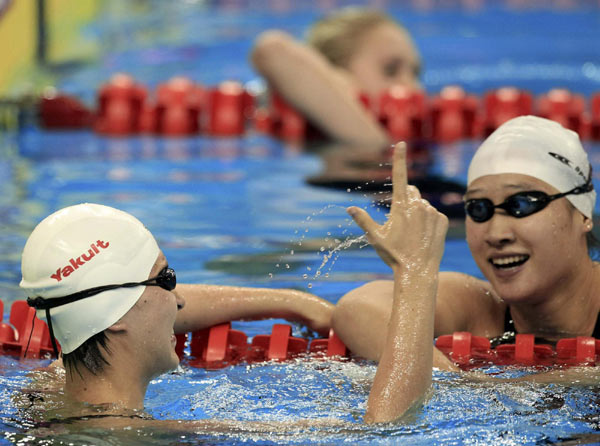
(222, 220)
(228, 211)
(231, 221)
(474, 412)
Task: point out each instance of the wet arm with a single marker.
(213, 427)
(404, 372)
(411, 242)
(208, 305)
(582, 376)
(313, 86)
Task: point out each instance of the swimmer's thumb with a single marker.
(362, 219)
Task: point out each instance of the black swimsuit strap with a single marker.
(596, 333)
(509, 325)
(508, 336)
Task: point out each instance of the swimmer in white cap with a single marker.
(98, 277)
(529, 204)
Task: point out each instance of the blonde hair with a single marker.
(338, 35)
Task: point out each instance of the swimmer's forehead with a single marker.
(405, 50)
(161, 263)
(507, 183)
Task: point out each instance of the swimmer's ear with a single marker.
(118, 327)
(588, 224)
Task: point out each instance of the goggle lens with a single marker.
(480, 209)
(522, 205)
(518, 205)
(166, 279)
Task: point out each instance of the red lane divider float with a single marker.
(216, 347)
(221, 346)
(26, 335)
(120, 104)
(181, 107)
(469, 351)
(501, 105)
(595, 121)
(60, 111)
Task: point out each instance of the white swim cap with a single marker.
(82, 247)
(542, 149)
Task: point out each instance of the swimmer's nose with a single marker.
(179, 299)
(412, 81)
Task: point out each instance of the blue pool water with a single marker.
(239, 212)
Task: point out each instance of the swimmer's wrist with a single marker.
(416, 282)
(417, 269)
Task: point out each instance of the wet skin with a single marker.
(527, 259)
(155, 313)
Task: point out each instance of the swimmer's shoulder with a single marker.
(466, 303)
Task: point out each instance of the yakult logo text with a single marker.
(75, 263)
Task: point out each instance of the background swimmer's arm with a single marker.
(320, 91)
(211, 426)
(442, 362)
(411, 242)
(208, 305)
(581, 376)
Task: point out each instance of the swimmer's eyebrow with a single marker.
(517, 187)
(163, 264)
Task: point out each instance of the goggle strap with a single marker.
(49, 319)
(30, 334)
(43, 304)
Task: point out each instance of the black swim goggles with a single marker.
(519, 205)
(166, 279)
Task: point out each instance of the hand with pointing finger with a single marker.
(414, 232)
(411, 241)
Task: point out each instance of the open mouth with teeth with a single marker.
(509, 262)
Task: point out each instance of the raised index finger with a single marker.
(399, 175)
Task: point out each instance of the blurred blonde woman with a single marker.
(349, 52)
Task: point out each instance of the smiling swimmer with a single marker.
(531, 245)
